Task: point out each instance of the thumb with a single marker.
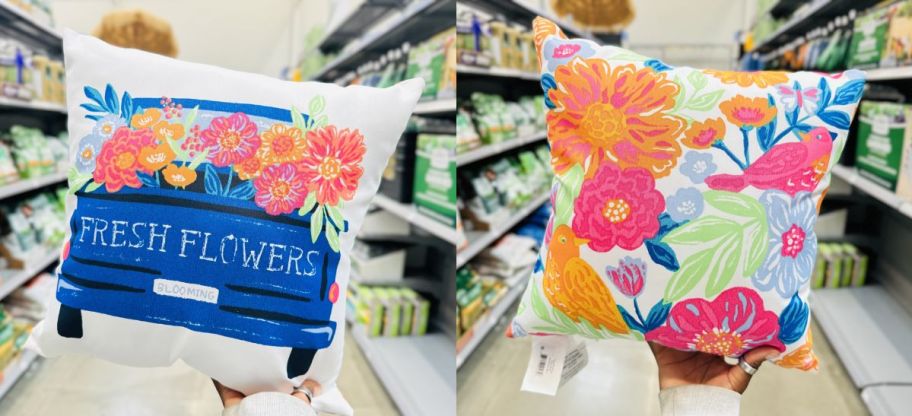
(739, 378)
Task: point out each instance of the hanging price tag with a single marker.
(554, 361)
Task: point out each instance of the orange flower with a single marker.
(281, 144)
(249, 168)
(703, 134)
(761, 79)
(542, 28)
(803, 358)
(147, 119)
(748, 112)
(156, 157)
(619, 112)
(164, 130)
(179, 177)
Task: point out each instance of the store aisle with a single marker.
(82, 386)
(493, 374)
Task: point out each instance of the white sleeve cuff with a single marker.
(699, 400)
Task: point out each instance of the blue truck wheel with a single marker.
(299, 361)
(69, 322)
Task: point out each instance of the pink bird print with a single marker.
(789, 167)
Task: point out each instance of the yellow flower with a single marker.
(761, 79)
(164, 130)
(281, 144)
(748, 112)
(145, 120)
(703, 134)
(249, 168)
(155, 158)
(179, 177)
(803, 358)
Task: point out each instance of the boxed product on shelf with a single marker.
(399, 175)
(510, 255)
(32, 224)
(429, 60)
(839, 264)
(376, 262)
(15, 73)
(435, 177)
(388, 311)
(466, 136)
(472, 42)
(859, 271)
(869, 38)
(30, 302)
(494, 123)
(8, 172)
(476, 294)
(898, 50)
(883, 130)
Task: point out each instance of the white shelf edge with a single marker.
(446, 105)
(32, 105)
(885, 74)
(497, 72)
(15, 369)
(790, 24)
(497, 148)
(484, 326)
(476, 246)
(25, 185)
(10, 279)
(31, 21)
(880, 193)
(409, 213)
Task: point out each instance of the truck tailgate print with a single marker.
(218, 217)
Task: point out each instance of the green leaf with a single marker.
(724, 265)
(701, 230)
(538, 304)
(93, 186)
(706, 101)
(336, 215)
(321, 121)
(190, 118)
(682, 94)
(309, 201)
(735, 204)
(570, 184)
(686, 278)
(697, 79)
(316, 224)
(755, 250)
(297, 119)
(317, 104)
(564, 319)
(200, 157)
(332, 236)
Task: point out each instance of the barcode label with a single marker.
(543, 359)
(546, 363)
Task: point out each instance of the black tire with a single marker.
(299, 361)
(69, 322)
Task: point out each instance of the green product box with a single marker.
(860, 264)
(435, 177)
(818, 277)
(882, 133)
(870, 38)
(392, 310)
(408, 309)
(833, 265)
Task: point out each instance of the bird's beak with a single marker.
(581, 241)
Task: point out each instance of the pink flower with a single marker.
(230, 139)
(280, 189)
(331, 165)
(730, 325)
(628, 276)
(617, 208)
(118, 160)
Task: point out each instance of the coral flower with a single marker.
(156, 157)
(332, 163)
(230, 139)
(147, 119)
(620, 112)
(164, 130)
(249, 168)
(629, 276)
(179, 177)
(701, 135)
(617, 208)
(748, 112)
(761, 79)
(118, 160)
(281, 144)
(729, 325)
(280, 189)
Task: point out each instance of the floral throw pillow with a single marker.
(211, 215)
(684, 200)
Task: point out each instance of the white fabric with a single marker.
(270, 404)
(699, 400)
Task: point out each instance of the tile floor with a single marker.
(80, 386)
(489, 384)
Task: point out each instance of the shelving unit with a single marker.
(32, 32)
(351, 27)
(15, 369)
(524, 12)
(27, 185)
(41, 258)
(478, 241)
(484, 325)
(880, 193)
(31, 105)
(497, 72)
(498, 148)
(446, 105)
(889, 74)
(818, 11)
(411, 214)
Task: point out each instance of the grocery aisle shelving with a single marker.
(483, 326)
(32, 105)
(447, 105)
(798, 24)
(889, 74)
(523, 11)
(411, 214)
(497, 72)
(479, 240)
(15, 369)
(37, 33)
(869, 187)
(497, 148)
(26, 185)
(41, 258)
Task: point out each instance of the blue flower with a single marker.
(547, 84)
(88, 149)
(518, 330)
(657, 65)
(557, 52)
(107, 125)
(686, 204)
(792, 242)
(697, 166)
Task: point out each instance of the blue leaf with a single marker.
(770, 100)
(836, 119)
(792, 116)
(548, 83)
(657, 65)
(662, 254)
(147, 180)
(793, 320)
(243, 190)
(92, 107)
(126, 106)
(94, 95)
(212, 181)
(631, 321)
(666, 224)
(95, 117)
(804, 127)
(849, 93)
(111, 100)
(765, 135)
(825, 94)
(539, 266)
(657, 315)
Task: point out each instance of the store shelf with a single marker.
(417, 283)
(478, 241)
(34, 33)
(522, 12)
(40, 259)
(497, 72)
(484, 325)
(352, 26)
(409, 213)
(15, 369)
(869, 330)
(871, 188)
(417, 372)
(497, 148)
(447, 105)
(32, 105)
(416, 22)
(814, 15)
(26, 185)
(887, 74)
(888, 400)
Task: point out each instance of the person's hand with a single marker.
(233, 397)
(679, 368)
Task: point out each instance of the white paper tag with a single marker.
(554, 360)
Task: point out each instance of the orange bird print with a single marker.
(574, 288)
